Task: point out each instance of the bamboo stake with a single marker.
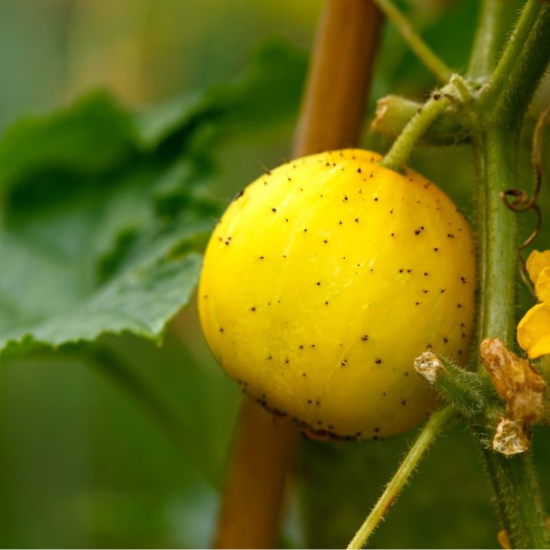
(331, 117)
(339, 78)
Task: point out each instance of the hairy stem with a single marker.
(460, 388)
(398, 155)
(330, 117)
(521, 66)
(498, 263)
(393, 113)
(501, 109)
(414, 41)
(516, 488)
(518, 501)
(494, 19)
(437, 422)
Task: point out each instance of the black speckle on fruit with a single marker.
(238, 195)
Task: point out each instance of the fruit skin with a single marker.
(322, 282)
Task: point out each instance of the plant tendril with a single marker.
(519, 201)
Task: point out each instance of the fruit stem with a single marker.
(437, 422)
(433, 62)
(398, 155)
(393, 113)
(330, 117)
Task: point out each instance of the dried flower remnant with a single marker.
(510, 438)
(519, 385)
(504, 540)
(428, 366)
(523, 390)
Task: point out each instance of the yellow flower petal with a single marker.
(534, 331)
(543, 286)
(536, 262)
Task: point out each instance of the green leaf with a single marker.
(103, 212)
(266, 92)
(90, 137)
(56, 291)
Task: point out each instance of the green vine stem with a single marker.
(519, 506)
(414, 41)
(437, 422)
(494, 20)
(521, 66)
(394, 112)
(402, 147)
(501, 109)
(498, 232)
(514, 482)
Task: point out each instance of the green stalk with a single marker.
(501, 109)
(437, 422)
(461, 388)
(402, 147)
(521, 66)
(517, 491)
(393, 113)
(434, 63)
(494, 19)
(519, 501)
(498, 225)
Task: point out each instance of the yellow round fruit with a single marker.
(323, 281)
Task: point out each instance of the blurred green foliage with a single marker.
(122, 443)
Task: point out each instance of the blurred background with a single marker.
(82, 462)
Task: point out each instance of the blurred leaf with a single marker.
(92, 136)
(94, 256)
(266, 92)
(81, 466)
(101, 223)
(104, 211)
